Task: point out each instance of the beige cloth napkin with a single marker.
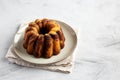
(64, 66)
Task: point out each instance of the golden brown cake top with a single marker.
(44, 26)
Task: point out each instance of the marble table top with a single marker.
(98, 54)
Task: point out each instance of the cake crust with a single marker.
(43, 38)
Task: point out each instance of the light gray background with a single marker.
(98, 57)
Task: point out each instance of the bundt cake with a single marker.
(43, 38)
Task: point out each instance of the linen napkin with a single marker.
(64, 66)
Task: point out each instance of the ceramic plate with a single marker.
(70, 44)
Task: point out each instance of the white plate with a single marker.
(70, 44)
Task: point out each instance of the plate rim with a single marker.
(72, 51)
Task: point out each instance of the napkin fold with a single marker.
(64, 66)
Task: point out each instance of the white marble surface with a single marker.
(98, 57)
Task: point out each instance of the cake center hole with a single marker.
(43, 30)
